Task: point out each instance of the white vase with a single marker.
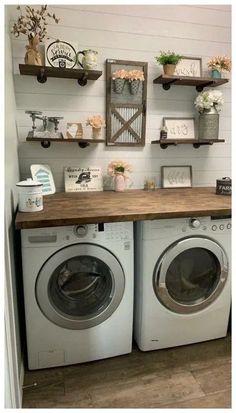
(120, 184)
(96, 133)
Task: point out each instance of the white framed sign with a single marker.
(179, 176)
(83, 179)
(189, 66)
(60, 54)
(180, 128)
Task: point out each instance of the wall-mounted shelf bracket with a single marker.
(46, 143)
(83, 80)
(41, 77)
(43, 72)
(199, 82)
(195, 142)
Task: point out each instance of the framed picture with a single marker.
(176, 176)
(60, 54)
(74, 130)
(83, 179)
(189, 66)
(179, 128)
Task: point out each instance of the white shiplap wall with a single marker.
(132, 33)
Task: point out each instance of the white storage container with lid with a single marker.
(30, 195)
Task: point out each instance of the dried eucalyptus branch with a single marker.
(33, 22)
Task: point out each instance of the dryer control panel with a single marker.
(173, 227)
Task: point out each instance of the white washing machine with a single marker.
(78, 290)
(182, 281)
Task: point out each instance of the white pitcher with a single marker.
(89, 60)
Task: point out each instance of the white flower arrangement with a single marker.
(208, 99)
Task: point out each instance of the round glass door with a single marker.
(80, 286)
(190, 274)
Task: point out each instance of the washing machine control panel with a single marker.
(103, 231)
(46, 237)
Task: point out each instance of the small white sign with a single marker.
(189, 67)
(83, 179)
(60, 54)
(179, 128)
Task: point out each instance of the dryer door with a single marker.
(190, 274)
(80, 286)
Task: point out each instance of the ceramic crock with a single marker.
(30, 195)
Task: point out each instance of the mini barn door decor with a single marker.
(126, 94)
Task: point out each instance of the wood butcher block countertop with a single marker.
(132, 205)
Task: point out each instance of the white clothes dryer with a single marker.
(182, 281)
(78, 291)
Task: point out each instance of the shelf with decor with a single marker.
(43, 72)
(46, 143)
(199, 82)
(164, 143)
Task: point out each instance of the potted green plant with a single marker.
(168, 60)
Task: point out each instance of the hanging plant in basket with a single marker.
(32, 23)
(119, 78)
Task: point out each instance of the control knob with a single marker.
(81, 230)
(195, 223)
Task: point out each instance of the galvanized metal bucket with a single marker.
(208, 127)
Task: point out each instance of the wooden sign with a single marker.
(74, 130)
(83, 179)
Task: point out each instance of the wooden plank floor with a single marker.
(193, 376)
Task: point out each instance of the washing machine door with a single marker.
(80, 286)
(190, 274)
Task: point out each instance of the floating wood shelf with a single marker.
(43, 72)
(46, 143)
(164, 143)
(200, 82)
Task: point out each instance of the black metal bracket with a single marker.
(164, 145)
(45, 144)
(166, 86)
(42, 78)
(83, 80)
(83, 144)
